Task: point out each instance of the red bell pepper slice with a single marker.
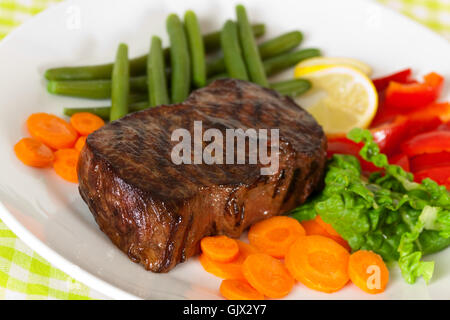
(440, 174)
(438, 109)
(400, 77)
(429, 142)
(430, 160)
(391, 135)
(401, 160)
(415, 95)
(342, 145)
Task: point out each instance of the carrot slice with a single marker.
(80, 143)
(368, 271)
(51, 130)
(274, 235)
(33, 153)
(220, 248)
(86, 123)
(319, 263)
(65, 164)
(229, 270)
(313, 228)
(267, 275)
(239, 290)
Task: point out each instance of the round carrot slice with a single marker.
(65, 164)
(229, 270)
(267, 275)
(239, 290)
(368, 271)
(274, 235)
(319, 263)
(33, 153)
(313, 228)
(220, 248)
(86, 123)
(80, 143)
(51, 130)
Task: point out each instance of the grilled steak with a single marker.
(157, 212)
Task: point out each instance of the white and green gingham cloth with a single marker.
(23, 273)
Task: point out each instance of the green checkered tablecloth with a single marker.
(23, 273)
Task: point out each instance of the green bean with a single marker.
(137, 65)
(156, 71)
(231, 48)
(250, 50)
(179, 57)
(267, 49)
(104, 112)
(292, 88)
(284, 61)
(120, 87)
(92, 89)
(197, 49)
(280, 44)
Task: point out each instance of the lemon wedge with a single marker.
(341, 97)
(333, 61)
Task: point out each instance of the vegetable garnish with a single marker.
(86, 123)
(274, 235)
(429, 142)
(415, 95)
(65, 164)
(220, 248)
(120, 84)
(51, 130)
(239, 290)
(33, 153)
(267, 275)
(402, 76)
(439, 174)
(319, 263)
(80, 143)
(313, 228)
(137, 65)
(368, 271)
(229, 270)
(389, 213)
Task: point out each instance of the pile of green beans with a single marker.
(168, 75)
(137, 65)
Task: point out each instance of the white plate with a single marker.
(48, 213)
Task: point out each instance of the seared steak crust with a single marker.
(157, 212)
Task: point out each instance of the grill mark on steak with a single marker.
(157, 212)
